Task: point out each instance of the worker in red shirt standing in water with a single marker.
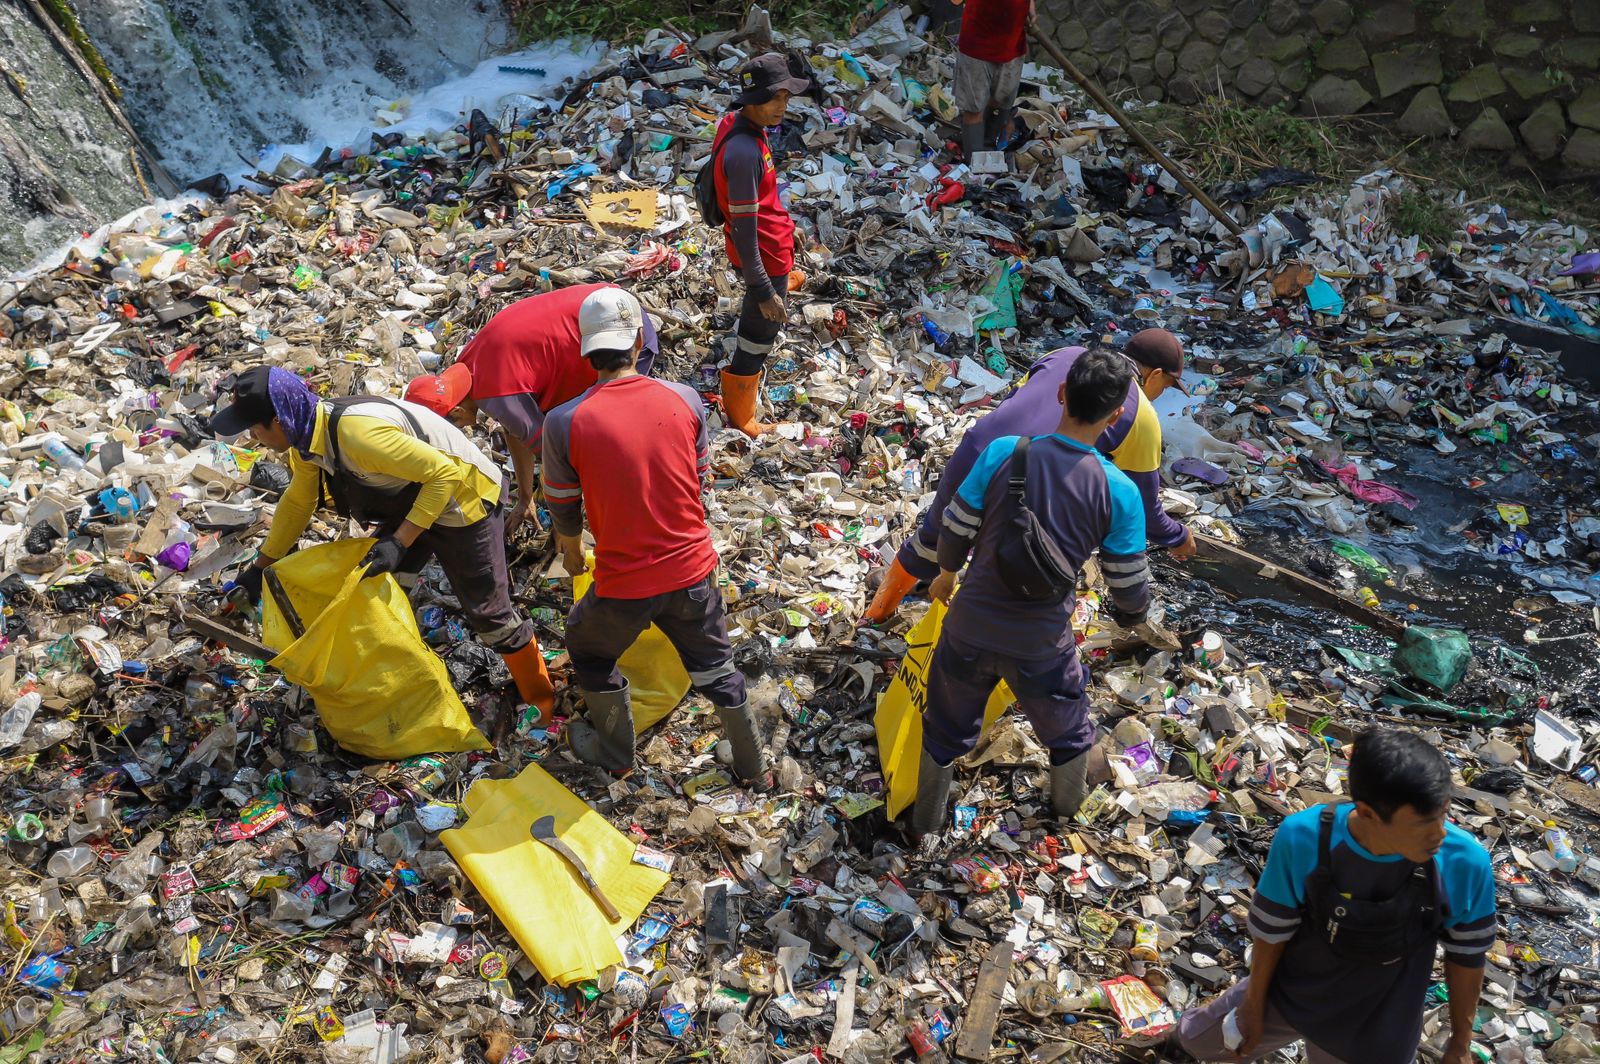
(523, 364)
(757, 226)
(994, 39)
(632, 451)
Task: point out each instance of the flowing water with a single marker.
(224, 86)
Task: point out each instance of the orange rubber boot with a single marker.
(896, 582)
(532, 678)
(739, 403)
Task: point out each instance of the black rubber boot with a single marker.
(1069, 786)
(932, 809)
(606, 737)
(749, 749)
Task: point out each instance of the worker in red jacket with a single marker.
(757, 227)
(989, 54)
(523, 364)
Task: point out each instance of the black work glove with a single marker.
(249, 579)
(1128, 620)
(384, 557)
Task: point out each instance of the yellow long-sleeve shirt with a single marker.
(378, 448)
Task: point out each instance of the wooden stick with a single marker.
(1301, 584)
(1098, 95)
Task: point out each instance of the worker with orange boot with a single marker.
(757, 227)
(408, 471)
(1132, 442)
(633, 452)
(520, 366)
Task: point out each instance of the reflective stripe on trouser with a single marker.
(755, 334)
(1052, 693)
(600, 630)
(473, 558)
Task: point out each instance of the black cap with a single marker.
(764, 77)
(1158, 349)
(252, 404)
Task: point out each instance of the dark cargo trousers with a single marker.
(600, 631)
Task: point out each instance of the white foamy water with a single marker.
(229, 86)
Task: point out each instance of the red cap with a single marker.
(442, 392)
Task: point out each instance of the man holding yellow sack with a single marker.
(1031, 512)
(406, 470)
(634, 449)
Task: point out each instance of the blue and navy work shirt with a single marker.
(1361, 1010)
(1083, 502)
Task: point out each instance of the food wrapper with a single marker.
(979, 874)
(1141, 1013)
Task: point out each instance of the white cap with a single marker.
(609, 319)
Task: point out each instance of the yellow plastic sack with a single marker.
(381, 692)
(533, 891)
(653, 669)
(900, 710)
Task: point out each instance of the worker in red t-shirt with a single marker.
(521, 365)
(994, 39)
(633, 452)
(759, 231)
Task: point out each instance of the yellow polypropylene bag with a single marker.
(900, 710)
(656, 676)
(534, 891)
(380, 691)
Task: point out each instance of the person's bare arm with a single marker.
(1264, 958)
(1465, 986)
(522, 462)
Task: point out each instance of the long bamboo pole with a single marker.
(1098, 95)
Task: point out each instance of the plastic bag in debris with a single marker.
(393, 699)
(1436, 656)
(655, 673)
(534, 891)
(899, 717)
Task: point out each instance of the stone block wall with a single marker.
(1514, 76)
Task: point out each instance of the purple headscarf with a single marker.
(295, 405)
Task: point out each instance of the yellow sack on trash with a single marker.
(654, 671)
(380, 690)
(534, 891)
(900, 709)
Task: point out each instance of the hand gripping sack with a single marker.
(379, 689)
(899, 718)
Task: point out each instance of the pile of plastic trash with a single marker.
(194, 870)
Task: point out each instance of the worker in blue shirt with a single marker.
(1355, 901)
(1084, 504)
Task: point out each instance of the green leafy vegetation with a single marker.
(537, 20)
(1224, 140)
(64, 17)
(1417, 212)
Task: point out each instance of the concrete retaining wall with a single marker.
(1514, 76)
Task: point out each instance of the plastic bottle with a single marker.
(57, 451)
(1560, 847)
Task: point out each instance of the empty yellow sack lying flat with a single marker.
(655, 672)
(533, 890)
(900, 709)
(380, 690)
